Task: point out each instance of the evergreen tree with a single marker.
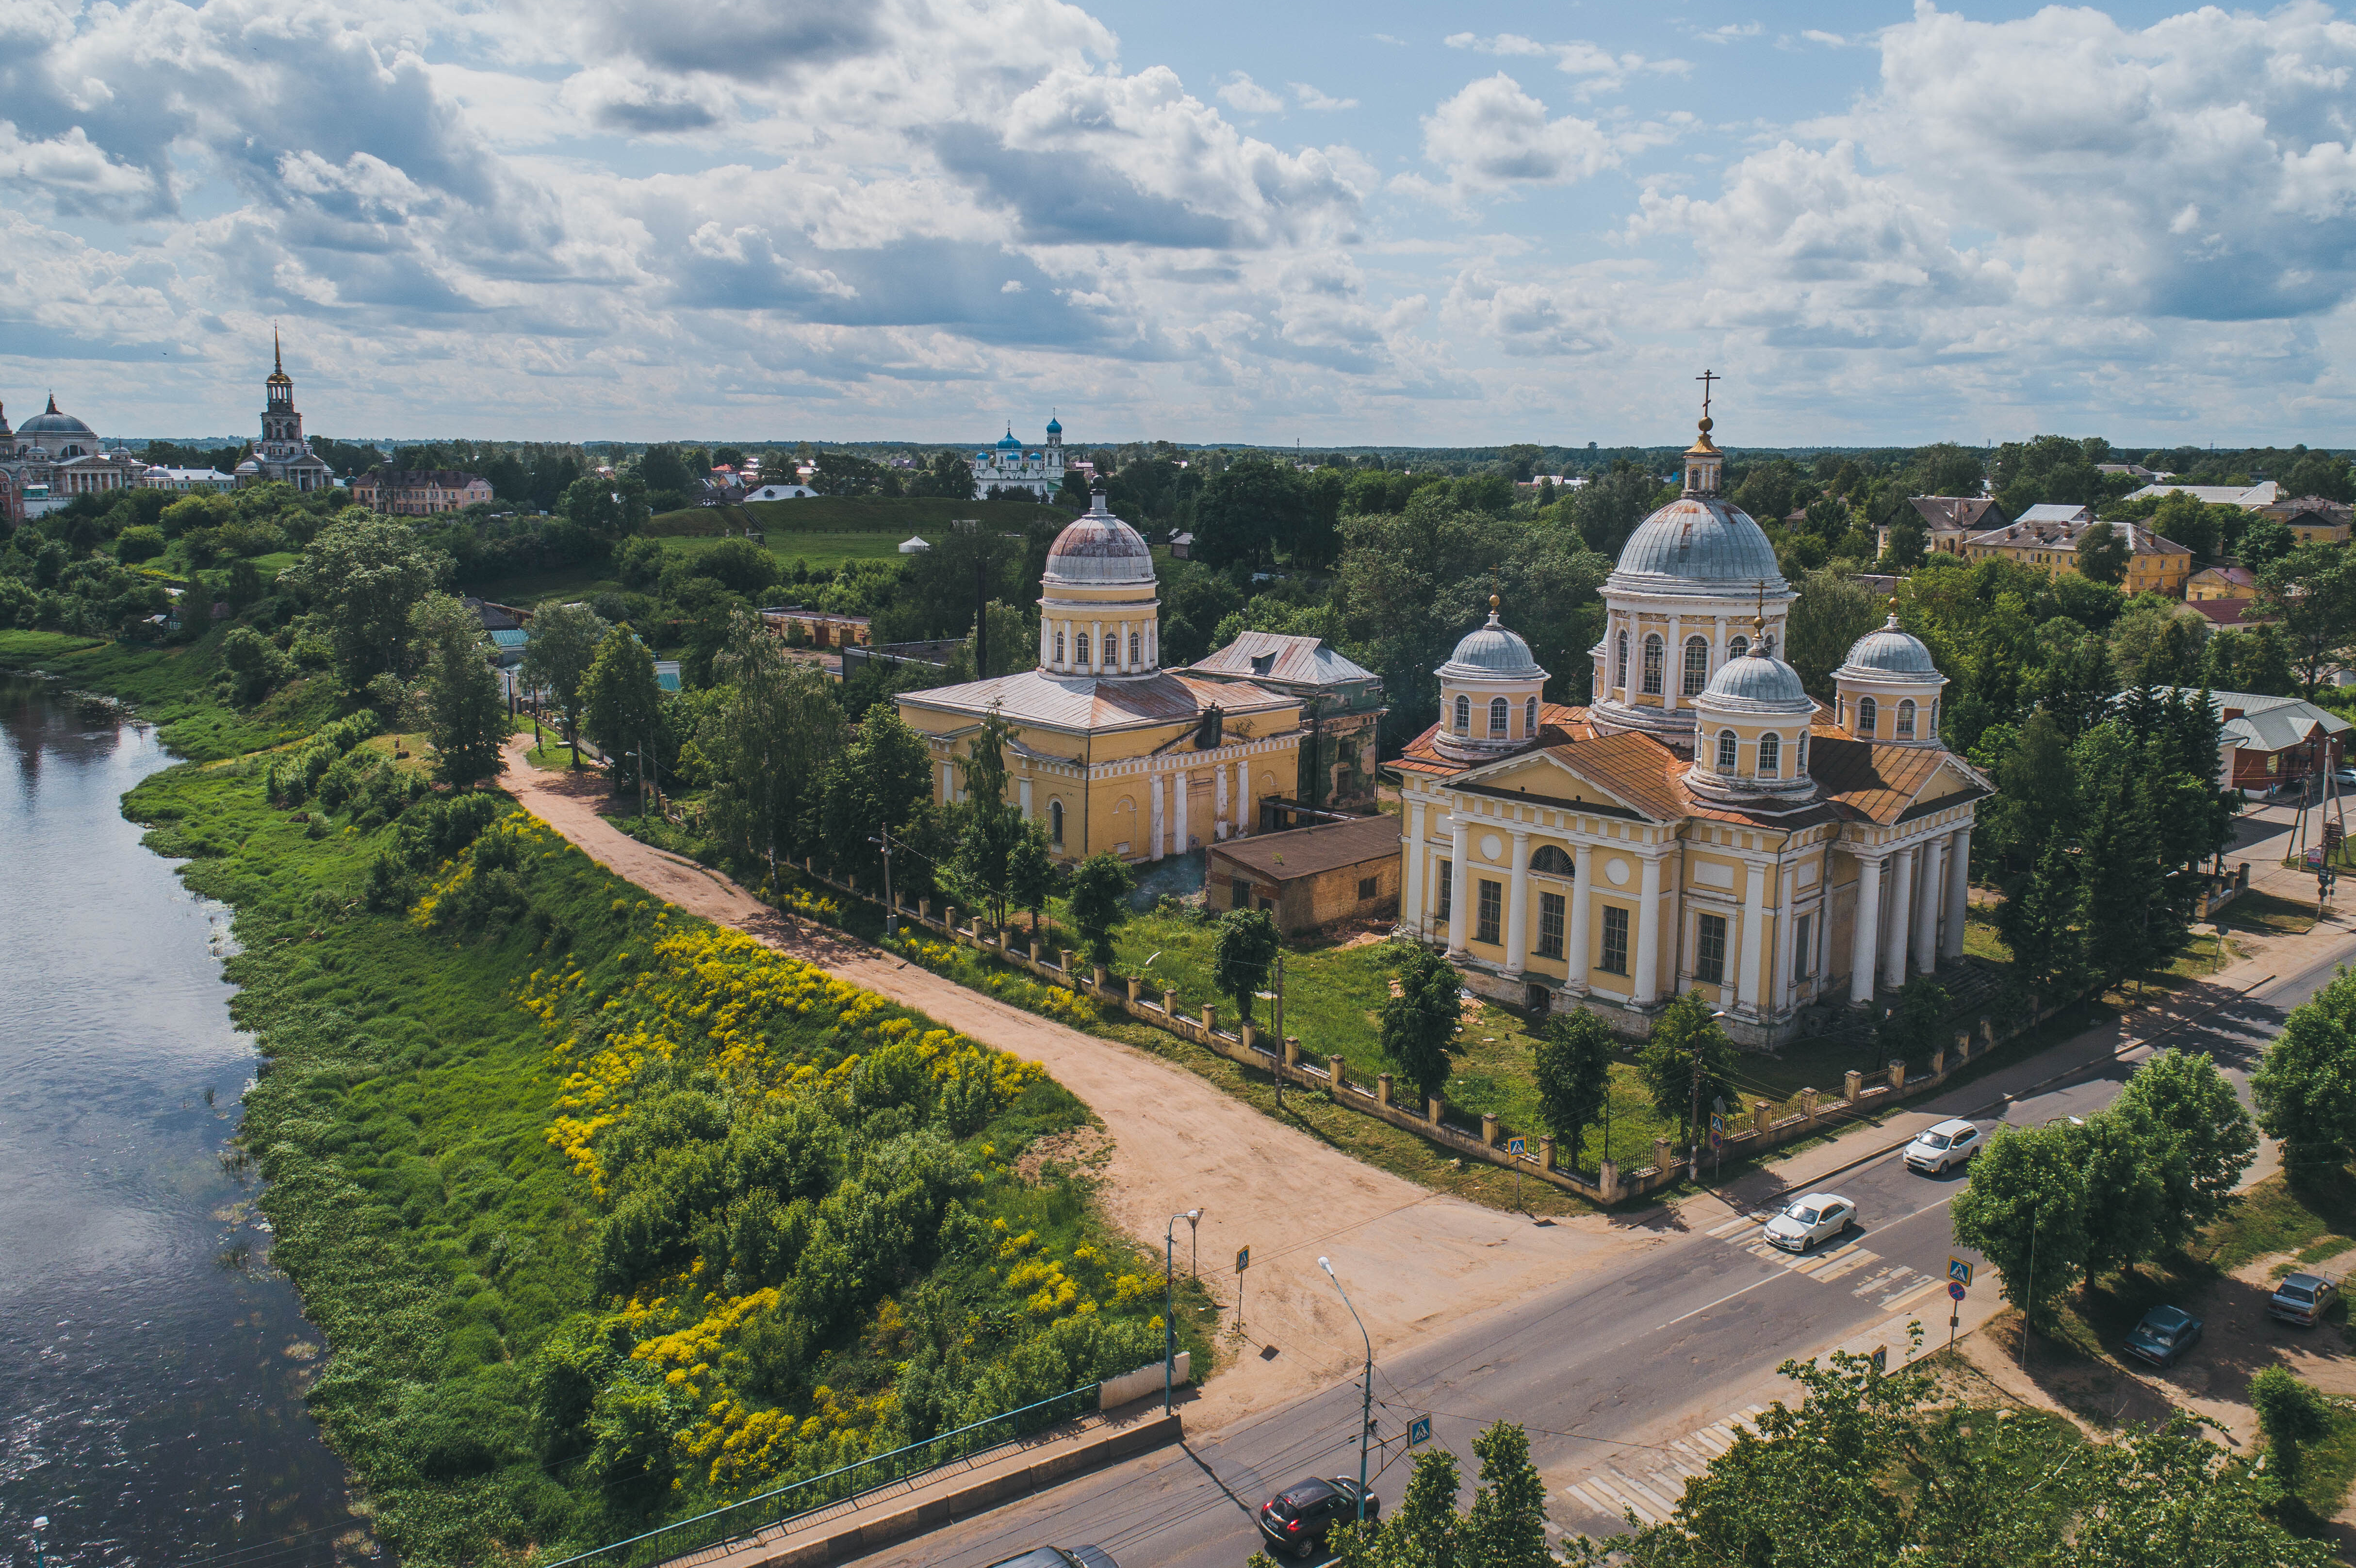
(1100, 886)
(989, 827)
(2123, 881)
(1240, 956)
(467, 716)
(1687, 1045)
(1574, 1077)
(2041, 921)
(1421, 1023)
(622, 704)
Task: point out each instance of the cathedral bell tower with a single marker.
(280, 423)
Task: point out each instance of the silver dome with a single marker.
(1099, 550)
(1758, 681)
(1890, 650)
(1701, 540)
(1489, 652)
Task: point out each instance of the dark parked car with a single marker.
(2165, 1333)
(1301, 1517)
(2303, 1298)
(1061, 1557)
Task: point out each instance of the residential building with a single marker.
(1110, 749)
(2316, 525)
(1703, 824)
(1007, 469)
(1949, 520)
(283, 455)
(2134, 470)
(2155, 565)
(2270, 742)
(1309, 877)
(819, 628)
(419, 492)
(781, 493)
(2263, 494)
(2227, 582)
(2055, 512)
(1341, 705)
(188, 480)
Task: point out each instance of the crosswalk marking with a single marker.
(1907, 1297)
(1649, 1483)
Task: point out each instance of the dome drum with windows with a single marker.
(1490, 691)
(1751, 733)
(1888, 688)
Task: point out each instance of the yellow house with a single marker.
(1108, 750)
(1741, 843)
(2155, 565)
(2316, 527)
(2215, 583)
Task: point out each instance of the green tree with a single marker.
(988, 826)
(1245, 509)
(1031, 874)
(466, 717)
(622, 705)
(769, 744)
(1688, 1060)
(612, 510)
(2041, 920)
(1573, 1074)
(873, 785)
(2025, 1211)
(1912, 1027)
(362, 574)
(2305, 1085)
(2211, 1139)
(2126, 1190)
(2311, 592)
(1099, 898)
(1421, 1023)
(2103, 552)
(738, 563)
(1423, 1531)
(1240, 956)
(1832, 612)
(556, 658)
(2291, 1413)
(2123, 878)
(255, 665)
(1507, 1528)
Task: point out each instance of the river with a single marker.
(152, 1363)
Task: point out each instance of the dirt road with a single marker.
(1411, 1258)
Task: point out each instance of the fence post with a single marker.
(1898, 1076)
(1248, 1033)
(1100, 977)
(1660, 1154)
(1607, 1181)
(1136, 987)
(1987, 1032)
(1293, 1050)
(1382, 1089)
(948, 922)
(1545, 1154)
(1337, 1079)
(1759, 1113)
(1210, 1018)
(1808, 1104)
(1489, 1129)
(1939, 1063)
(1001, 942)
(1963, 1046)
(1065, 954)
(1851, 1082)
(1434, 1104)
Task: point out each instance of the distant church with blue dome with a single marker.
(1012, 471)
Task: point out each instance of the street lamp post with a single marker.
(1170, 1302)
(39, 1524)
(1366, 1404)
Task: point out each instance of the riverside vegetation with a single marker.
(608, 1214)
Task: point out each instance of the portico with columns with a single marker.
(1760, 852)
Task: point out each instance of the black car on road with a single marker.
(1299, 1518)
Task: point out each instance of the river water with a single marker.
(152, 1363)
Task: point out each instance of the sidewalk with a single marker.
(953, 1491)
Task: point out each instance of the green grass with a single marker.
(175, 689)
(818, 551)
(2326, 1468)
(846, 514)
(2266, 914)
(2277, 1216)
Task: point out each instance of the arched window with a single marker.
(1059, 648)
(1134, 645)
(1652, 665)
(1697, 665)
(1800, 754)
(1906, 719)
(1737, 647)
(1771, 757)
(1530, 718)
(1726, 751)
(1080, 646)
(1865, 716)
(1055, 822)
(1464, 716)
(1550, 859)
(1767, 641)
(1934, 718)
(1498, 709)
(1620, 661)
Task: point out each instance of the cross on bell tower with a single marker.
(1703, 460)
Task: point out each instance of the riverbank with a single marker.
(604, 1214)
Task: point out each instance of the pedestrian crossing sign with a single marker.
(1516, 1148)
(1419, 1431)
(1959, 1269)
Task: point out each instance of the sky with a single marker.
(1364, 224)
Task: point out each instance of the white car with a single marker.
(1818, 1217)
(1943, 1147)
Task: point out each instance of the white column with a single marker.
(1160, 830)
(1959, 887)
(1673, 664)
(1097, 660)
(1779, 964)
(1862, 953)
(1718, 650)
(1648, 932)
(1219, 805)
(1926, 911)
(1181, 840)
(1243, 796)
(1460, 850)
(1154, 642)
(948, 783)
(1902, 912)
(1411, 909)
(1577, 952)
(1047, 641)
(1754, 937)
(1517, 906)
(1022, 797)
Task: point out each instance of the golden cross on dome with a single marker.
(1706, 378)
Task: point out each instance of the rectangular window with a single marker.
(1550, 908)
(1492, 903)
(1366, 886)
(1243, 893)
(1615, 941)
(1802, 949)
(1710, 950)
(1447, 891)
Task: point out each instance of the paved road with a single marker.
(1605, 1374)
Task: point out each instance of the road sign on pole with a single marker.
(1517, 1148)
(1243, 1262)
(1419, 1431)
(1881, 1357)
(1956, 1289)
(1243, 1259)
(1959, 1269)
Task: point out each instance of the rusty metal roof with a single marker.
(1312, 851)
(1273, 656)
(1878, 781)
(1081, 703)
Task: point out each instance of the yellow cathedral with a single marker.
(1703, 824)
(1109, 751)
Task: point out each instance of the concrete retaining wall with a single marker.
(1146, 1380)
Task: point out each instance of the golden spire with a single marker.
(278, 355)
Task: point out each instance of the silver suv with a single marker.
(1942, 1148)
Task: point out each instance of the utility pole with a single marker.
(1170, 1302)
(1366, 1404)
(890, 909)
(1280, 1027)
